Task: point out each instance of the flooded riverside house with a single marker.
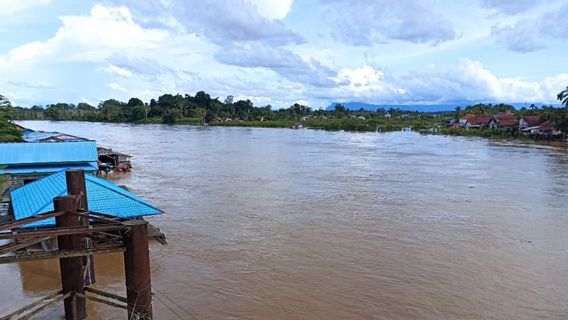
(108, 159)
(534, 126)
(54, 206)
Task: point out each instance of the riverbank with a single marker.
(429, 125)
(362, 125)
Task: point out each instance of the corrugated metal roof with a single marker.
(43, 169)
(29, 135)
(44, 153)
(103, 197)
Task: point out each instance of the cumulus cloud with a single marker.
(104, 33)
(106, 42)
(532, 34)
(466, 81)
(272, 9)
(367, 22)
(281, 61)
(119, 71)
(224, 21)
(245, 48)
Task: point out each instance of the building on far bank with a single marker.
(504, 121)
(529, 121)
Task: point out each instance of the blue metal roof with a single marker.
(43, 169)
(47, 153)
(103, 197)
(29, 135)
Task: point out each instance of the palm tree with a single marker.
(563, 97)
(458, 113)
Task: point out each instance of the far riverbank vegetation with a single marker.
(486, 120)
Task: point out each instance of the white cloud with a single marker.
(273, 9)
(368, 83)
(225, 21)
(245, 48)
(123, 72)
(107, 31)
(534, 33)
(367, 22)
(10, 7)
(466, 81)
(281, 61)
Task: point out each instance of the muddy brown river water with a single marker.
(302, 224)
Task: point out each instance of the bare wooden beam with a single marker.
(60, 254)
(103, 301)
(106, 294)
(18, 223)
(60, 231)
(14, 246)
(46, 306)
(31, 306)
(99, 217)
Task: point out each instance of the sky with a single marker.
(281, 52)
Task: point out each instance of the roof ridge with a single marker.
(127, 194)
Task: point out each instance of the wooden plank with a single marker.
(14, 246)
(99, 217)
(46, 306)
(106, 294)
(30, 306)
(103, 301)
(60, 254)
(60, 231)
(18, 223)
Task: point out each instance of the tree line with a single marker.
(201, 108)
(170, 109)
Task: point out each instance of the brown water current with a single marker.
(303, 224)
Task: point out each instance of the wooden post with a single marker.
(72, 279)
(77, 186)
(137, 270)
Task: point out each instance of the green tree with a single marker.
(138, 113)
(111, 110)
(563, 97)
(200, 113)
(170, 116)
(458, 113)
(8, 132)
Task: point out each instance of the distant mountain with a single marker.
(417, 107)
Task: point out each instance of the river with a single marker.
(307, 224)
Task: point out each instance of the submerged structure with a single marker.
(114, 160)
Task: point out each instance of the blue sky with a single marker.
(280, 52)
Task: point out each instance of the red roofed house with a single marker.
(473, 121)
(504, 121)
(547, 129)
(529, 121)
